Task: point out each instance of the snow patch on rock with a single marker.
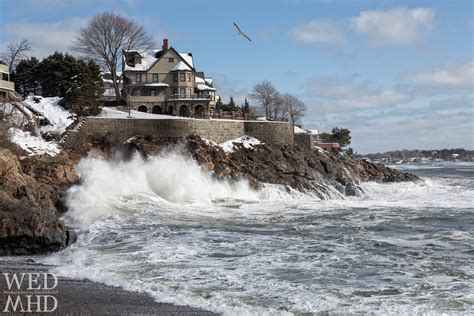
(33, 145)
(246, 141)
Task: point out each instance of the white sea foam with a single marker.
(165, 227)
(171, 178)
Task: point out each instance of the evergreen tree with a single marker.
(246, 107)
(57, 74)
(86, 88)
(338, 135)
(219, 104)
(26, 77)
(231, 104)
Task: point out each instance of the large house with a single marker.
(166, 82)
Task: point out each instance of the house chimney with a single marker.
(165, 44)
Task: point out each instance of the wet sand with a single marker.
(83, 297)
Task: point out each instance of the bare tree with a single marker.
(266, 95)
(14, 52)
(294, 108)
(106, 36)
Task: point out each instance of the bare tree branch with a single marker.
(293, 107)
(266, 95)
(104, 39)
(15, 52)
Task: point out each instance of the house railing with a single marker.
(7, 85)
(187, 97)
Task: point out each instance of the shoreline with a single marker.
(81, 297)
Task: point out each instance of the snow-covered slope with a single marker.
(58, 117)
(31, 144)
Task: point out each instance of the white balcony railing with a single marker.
(187, 97)
(7, 85)
(4, 69)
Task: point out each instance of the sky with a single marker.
(398, 74)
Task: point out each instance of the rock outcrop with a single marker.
(295, 166)
(31, 188)
(30, 198)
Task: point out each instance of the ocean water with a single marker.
(166, 228)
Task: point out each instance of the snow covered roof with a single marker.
(299, 130)
(181, 66)
(188, 57)
(314, 131)
(199, 80)
(204, 87)
(148, 58)
(209, 81)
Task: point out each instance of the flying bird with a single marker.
(239, 32)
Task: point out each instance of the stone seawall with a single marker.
(118, 130)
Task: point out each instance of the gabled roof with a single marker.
(149, 59)
(181, 66)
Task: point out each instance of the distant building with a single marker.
(163, 81)
(7, 87)
(109, 90)
(310, 138)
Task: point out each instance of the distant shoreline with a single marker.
(81, 297)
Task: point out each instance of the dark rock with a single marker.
(300, 168)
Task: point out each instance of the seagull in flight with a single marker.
(239, 32)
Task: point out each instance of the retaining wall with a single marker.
(118, 130)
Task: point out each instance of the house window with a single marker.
(155, 77)
(189, 93)
(175, 91)
(182, 92)
(181, 77)
(175, 77)
(171, 60)
(189, 77)
(153, 92)
(138, 77)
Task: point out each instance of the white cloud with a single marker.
(227, 87)
(46, 38)
(319, 31)
(461, 75)
(333, 95)
(396, 26)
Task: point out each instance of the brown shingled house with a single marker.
(166, 82)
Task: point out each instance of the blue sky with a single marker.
(399, 74)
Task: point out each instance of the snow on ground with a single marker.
(114, 113)
(58, 117)
(246, 141)
(31, 144)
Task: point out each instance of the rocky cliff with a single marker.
(31, 188)
(295, 166)
(30, 202)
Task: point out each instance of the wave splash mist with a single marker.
(170, 178)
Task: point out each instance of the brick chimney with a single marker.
(165, 44)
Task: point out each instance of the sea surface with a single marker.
(166, 228)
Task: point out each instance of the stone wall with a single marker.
(305, 140)
(118, 130)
